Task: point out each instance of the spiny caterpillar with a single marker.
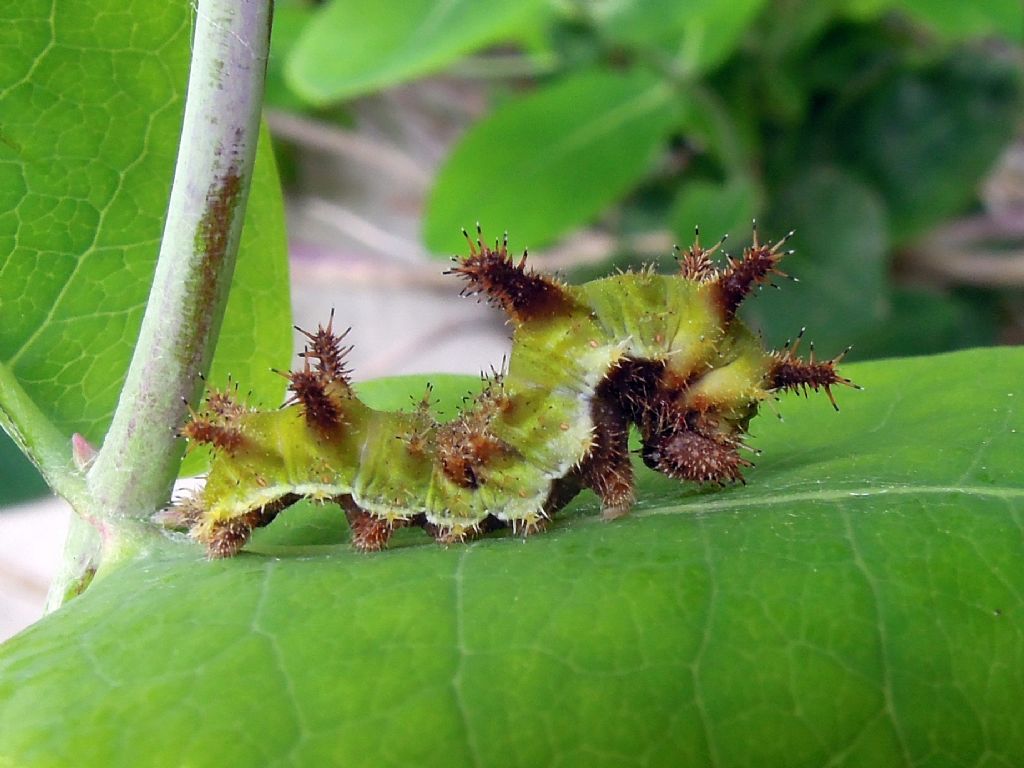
(665, 353)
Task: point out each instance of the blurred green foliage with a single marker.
(863, 124)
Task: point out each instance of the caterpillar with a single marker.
(665, 354)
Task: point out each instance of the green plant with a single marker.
(858, 604)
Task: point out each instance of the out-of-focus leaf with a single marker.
(290, 19)
(545, 163)
(840, 262)
(355, 46)
(91, 97)
(717, 208)
(922, 323)
(703, 33)
(928, 138)
(859, 603)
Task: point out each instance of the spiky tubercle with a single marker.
(734, 283)
(695, 262)
(787, 372)
(322, 387)
(686, 454)
(523, 294)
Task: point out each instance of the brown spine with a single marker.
(739, 278)
(523, 294)
(789, 373)
(323, 386)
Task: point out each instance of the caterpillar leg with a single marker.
(369, 533)
(607, 470)
(225, 538)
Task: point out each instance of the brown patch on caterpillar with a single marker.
(695, 262)
(466, 445)
(633, 387)
(790, 373)
(607, 469)
(686, 454)
(524, 294)
(739, 278)
(369, 533)
(321, 407)
(464, 448)
(227, 537)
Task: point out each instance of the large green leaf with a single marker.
(354, 46)
(859, 603)
(91, 97)
(545, 163)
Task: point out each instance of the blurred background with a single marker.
(888, 133)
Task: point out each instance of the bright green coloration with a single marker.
(547, 162)
(355, 46)
(91, 97)
(540, 410)
(699, 34)
(859, 602)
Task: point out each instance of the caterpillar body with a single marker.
(664, 353)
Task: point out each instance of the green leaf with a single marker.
(718, 209)
(859, 602)
(927, 138)
(840, 261)
(545, 163)
(355, 46)
(703, 32)
(91, 94)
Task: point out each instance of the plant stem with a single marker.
(135, 469)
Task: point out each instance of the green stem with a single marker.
(135, 469)
(40, 440)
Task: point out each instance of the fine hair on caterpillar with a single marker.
(664, 354)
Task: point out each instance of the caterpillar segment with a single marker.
(665, 354)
